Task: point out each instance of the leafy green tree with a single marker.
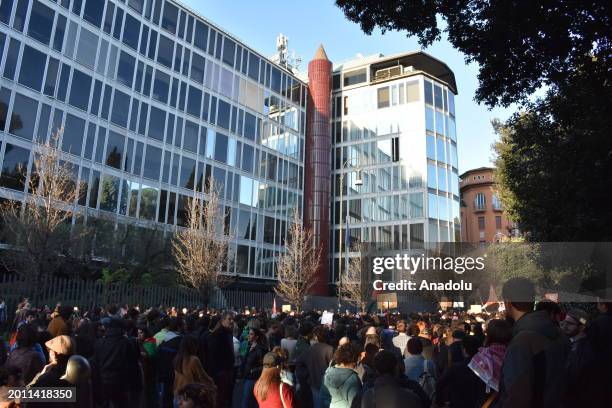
(518, 45)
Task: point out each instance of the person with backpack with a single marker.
(460, 387)
(387, 389)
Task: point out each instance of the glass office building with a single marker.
(394, 142)
(154, 100)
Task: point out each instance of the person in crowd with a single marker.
(166, 351)
(487, 362)
(60, 349)
(416, 364)
(117, 369)
(341, 383)
(387, 390)
(460, 387)
(253, 366)
(78, 375)
(60, 324)
(303, 391)
(221, 358)
(10, 377)
(316, 360)
(161, 334)
(401, 339)
(289, 341)
(286, 375)
(533, 371)
(147, 349)
(274, 335)
(581, 353)
(85, 338)
(24, 354)
(195, 396)
(188, 368)
(425, 337)
(269, 390)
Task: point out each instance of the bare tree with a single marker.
(297, 266)
(201, 249)
(38, 230)
(353, 286)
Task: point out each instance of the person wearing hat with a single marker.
(269, 390)
(581, 353)
(60, 349)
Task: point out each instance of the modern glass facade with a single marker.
(394, 142)
(154, 101)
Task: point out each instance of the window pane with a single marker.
(41, 22)
(114, 149)
(125, 72)
(88, 48)
(121, 109)
(14, 167)
(5, 11)
(79, 92)
(51, 77)
(383, 97)
(93, 12)
(188, 173)
(58, 37)
(23, 117)
(152, 164)
(197, 67)
(165, 51)
(131, 31)
(250, 123)
(12, 54)
(161, 86)
(74, 133)
(148, 202)
(201, 35)
(229, 47)
(223, 116)
(20, 14)
(438, 96)
(194, 104)
(157, 123)
(254, 66)
(32, 68)
(136, 4)
(109, 195)
(428, 93)
(169, 17)
(190, 141)
(221, 148)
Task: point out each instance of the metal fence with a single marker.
(87, 294)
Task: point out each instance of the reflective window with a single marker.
(152, 163)
(200, 38)
(32, 68)
(20, 14)
(428, 93)
(87, 49)
(10, 66)
(451, 103)
(125, 71)
(250, 123)
(157, 123)
(438, 96)
(429, 119)
(52, 69)
(73, 136)
(442, 180)
(194, 103)
(118, 23)
(14, 167)
(229, 49)
(93, 12)
(5, 11)
(221, 148)
(254, 66)
(148, 202)
(441, 156)
(355, 77)
(114, 149)
(416, 205)
(190, 141)
(109, 195)
(79, 92)
(169, 18)
(432, 205)
(136, 5)
(439, 123)
(161, 86)
(247, 158)
(121, 109)
(58, 37)
(131, 32)
(198, 64)
(188, 173)
(432, 178)
(165, 51)
(41, 22)
(223, 115)
(246, 190)
(23, 117)
(383, 97)
(431, 147)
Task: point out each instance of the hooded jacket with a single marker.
(339, 388)
(533, 371)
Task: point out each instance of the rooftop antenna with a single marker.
(282, 56)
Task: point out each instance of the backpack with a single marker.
(427, 382)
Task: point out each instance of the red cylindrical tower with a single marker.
(317, 168)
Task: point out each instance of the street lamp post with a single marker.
(358, 182)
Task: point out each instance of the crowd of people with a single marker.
(534, 354)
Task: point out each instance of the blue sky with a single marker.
(309, 23)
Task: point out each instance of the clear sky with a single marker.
(307, 23)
